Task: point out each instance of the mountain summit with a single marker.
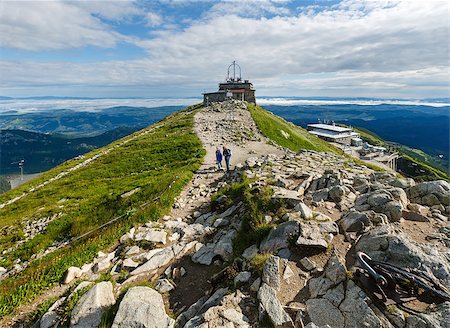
(148, 232)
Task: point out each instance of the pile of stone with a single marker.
(326, 198)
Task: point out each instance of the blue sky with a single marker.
(125, 48)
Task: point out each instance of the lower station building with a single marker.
(233, 88)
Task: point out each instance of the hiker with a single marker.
(227, 154)
(219, 158)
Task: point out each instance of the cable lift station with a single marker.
(233, 88)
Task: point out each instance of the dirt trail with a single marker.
(230, 124)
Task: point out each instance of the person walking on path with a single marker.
(227, 155)
(219, 158)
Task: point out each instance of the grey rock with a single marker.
(313, 325)
(280, 236)
(204, 255)
(193, 316)
(319, 286)
(355, 298)
(284, 253)
(304, 210)
(242, 277)
(335, 270)
(224, 247)
(236, 317)
(323, 312)
(335, 295)
(412, 216)
(440, 189)
(255, 285)
(158, 260)
(271, 272)
(385, 243)
(337, 193)
(142, 307)
(311, 236)
(133, 250)
(250, 252)
(320, 195)
(402, 183)
(379, 198)
(89, 308)
(354, 221)
(129, 263)
(307, 264)
(51, 318)
(269, 301)
(290, 196)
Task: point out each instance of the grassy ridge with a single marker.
(160, 163)
(293, 137)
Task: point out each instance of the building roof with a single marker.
(329, 127)
(328, 135)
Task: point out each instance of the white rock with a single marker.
(71, 274)
(164, 286)
(142, 307)
(89, 308)
(156, 261)
(133, 251)
(151, 235)
(129, 263)
(288, 273)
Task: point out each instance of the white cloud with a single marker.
(248, 8)
(153, 19)
(43, 25)
(354, 48)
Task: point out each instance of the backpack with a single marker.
(227, 152)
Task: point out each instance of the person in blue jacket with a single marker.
(219, 158)
(227, 155)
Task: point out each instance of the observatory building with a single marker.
(233, 88)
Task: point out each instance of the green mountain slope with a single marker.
(287, 134)
(154, 164)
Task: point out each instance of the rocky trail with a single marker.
(184, 270)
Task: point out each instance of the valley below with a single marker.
(180, 243)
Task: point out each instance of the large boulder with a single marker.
(90, 307)
(385, 243)
(279, 237)
(142, 307)
(430, 193)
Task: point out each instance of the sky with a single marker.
(182, 48)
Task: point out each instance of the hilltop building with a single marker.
(333, 133)
(233, 88)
